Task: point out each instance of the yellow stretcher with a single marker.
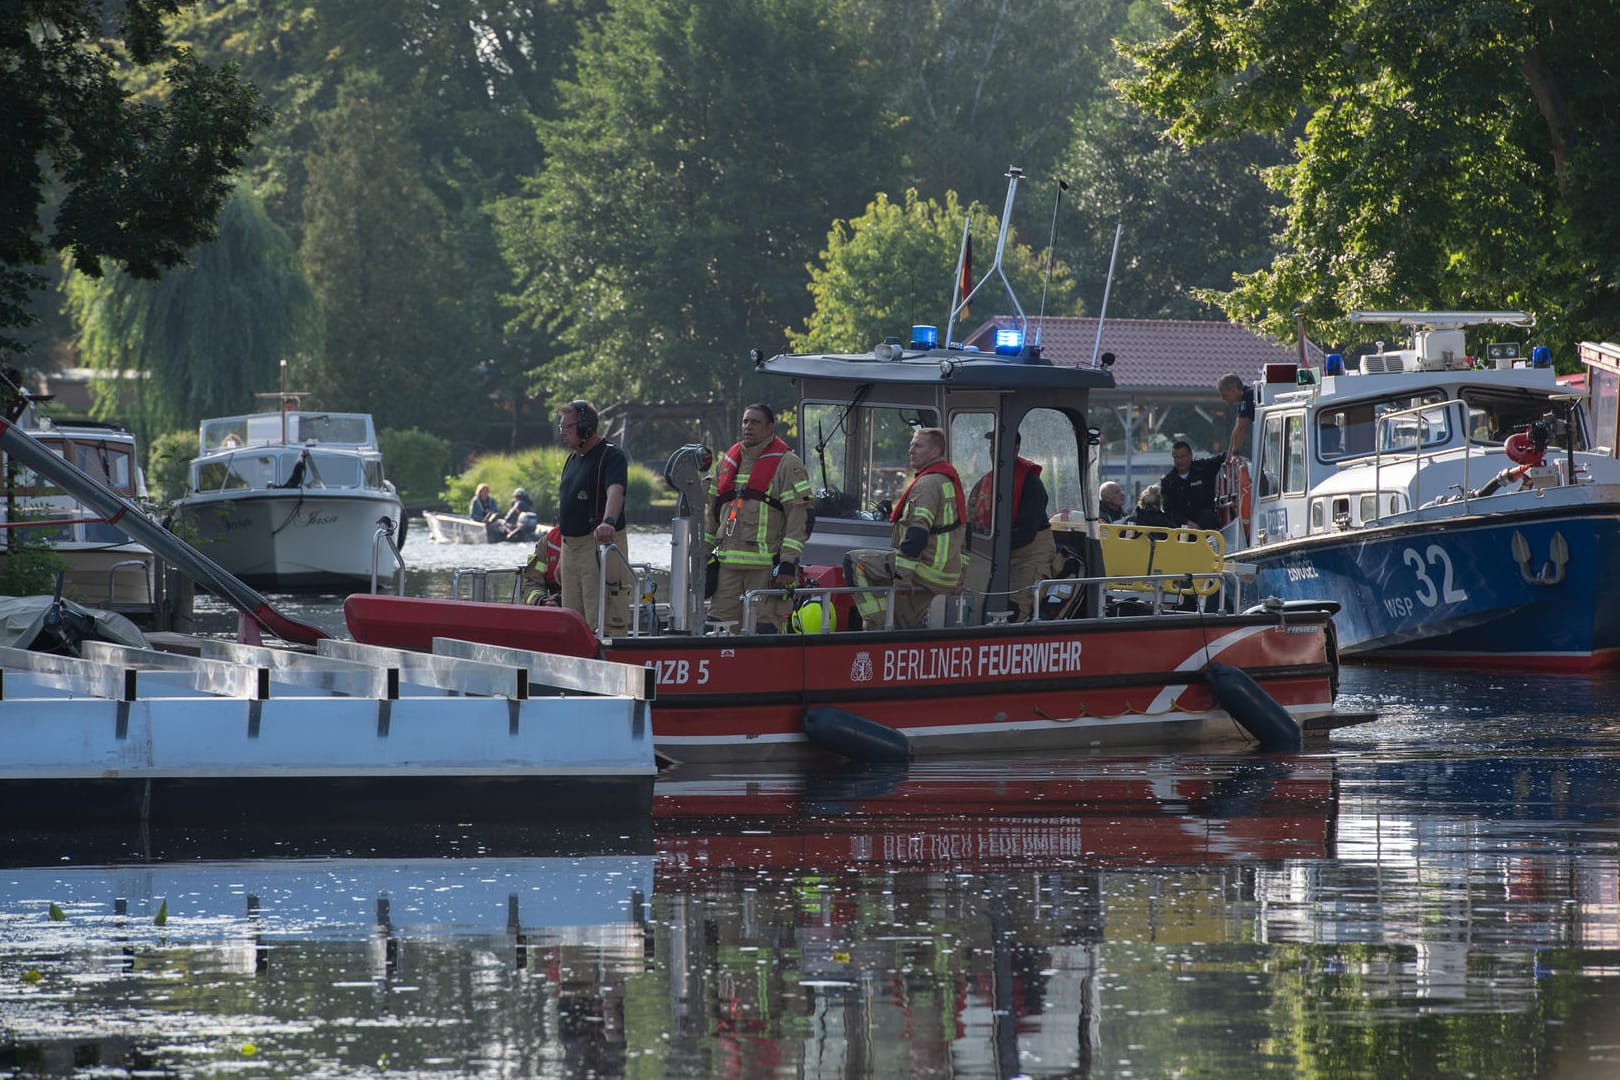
(1136, 551)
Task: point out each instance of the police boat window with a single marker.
(857, 455)
(1368, 508)
(1493, 416)
(1294, 443)
(1344, 433)
(1271, 456)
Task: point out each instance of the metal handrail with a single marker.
(637, 579)
(385, 534)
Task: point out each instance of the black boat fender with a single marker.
(1256, 711)
(853, 736)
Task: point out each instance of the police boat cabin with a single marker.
(935, 606)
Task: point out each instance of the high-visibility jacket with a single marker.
(759, 506)
(933, 503)
(540, 572)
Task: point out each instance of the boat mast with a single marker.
(1014, 174)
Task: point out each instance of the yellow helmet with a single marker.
(810, 618)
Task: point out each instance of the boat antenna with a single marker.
(1108, 283)
(1051, 241)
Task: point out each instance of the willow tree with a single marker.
(206, 338)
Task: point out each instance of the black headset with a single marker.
(584, 419)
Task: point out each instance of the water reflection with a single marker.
(1389, 905)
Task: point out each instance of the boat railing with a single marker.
(1417, 421)
(826, 592)
(1207, 591)
(385, 535)
(478, 584)
(641, 577)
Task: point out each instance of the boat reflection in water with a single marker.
(1211, 915)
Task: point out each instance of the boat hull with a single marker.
(457, 529)
(1086, 685)
(291, 540)
(1520, 589)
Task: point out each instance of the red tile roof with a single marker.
(1156, 352)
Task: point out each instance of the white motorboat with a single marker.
(104, 567)
(291, 499)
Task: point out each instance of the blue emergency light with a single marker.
(924, 337)
(1009, 342)
(1334, 364)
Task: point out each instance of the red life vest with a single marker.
(759, 478)
(949, 471)
(1022, 467)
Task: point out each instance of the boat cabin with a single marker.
(287, 450)
(856, 416)
(1343, 448)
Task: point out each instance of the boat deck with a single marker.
(213, 727)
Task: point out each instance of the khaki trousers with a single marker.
(875, 566)
(1031, 563)
(726, 605)
(581, 577)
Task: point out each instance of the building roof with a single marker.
(1177, 353)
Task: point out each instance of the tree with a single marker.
(692, 170)
(1456, 153)
(1191, 214)
(973, 86)
(141, 181)
(388, 283)
(896, 265)
(207, 337)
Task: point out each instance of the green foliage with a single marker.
(168, 465)
(539, 472)
(140, 182)
(31, 564)
(1190, 215)
(692, 169)
(207, 337)
(895, 266)
(374, 245)
(416, 462)
(970, 87)
(1456, 154)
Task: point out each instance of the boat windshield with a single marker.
(259, 469)
(857, 456)
(1493, 415)
(1353, 430)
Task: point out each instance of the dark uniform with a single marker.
(1190, 499)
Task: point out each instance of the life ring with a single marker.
(1521, 449)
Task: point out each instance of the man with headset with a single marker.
(590, 512)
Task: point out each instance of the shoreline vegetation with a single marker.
(647, 502)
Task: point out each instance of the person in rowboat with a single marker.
(929, 549)
(757, 522)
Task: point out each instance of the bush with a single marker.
(416, 462)
(168, 463)
(538, 472)
(31, 564)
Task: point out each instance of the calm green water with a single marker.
(1432, 895)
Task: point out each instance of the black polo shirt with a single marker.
(582, 494)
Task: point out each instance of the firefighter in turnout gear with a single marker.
(757, 522)
(930, 545)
